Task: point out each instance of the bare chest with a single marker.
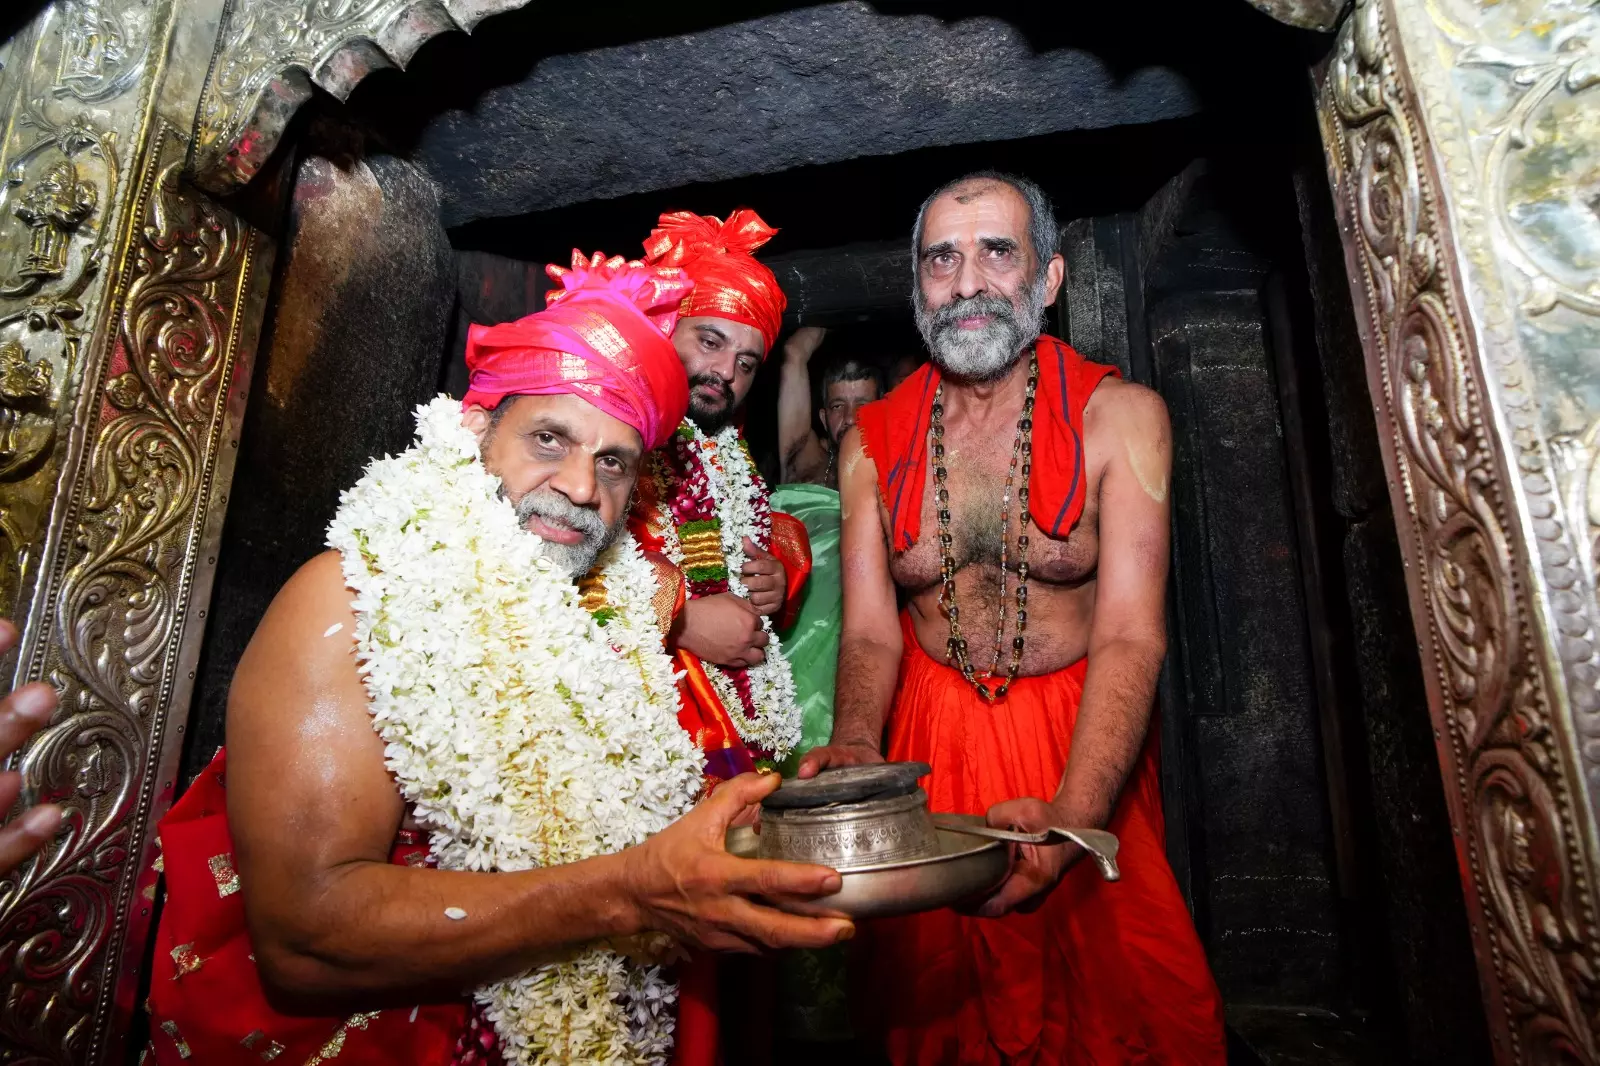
(984, 526)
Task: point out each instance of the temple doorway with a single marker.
(1306, 819)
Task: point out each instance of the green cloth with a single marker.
(812, 644)
(811, 984)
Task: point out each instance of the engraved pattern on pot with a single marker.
(851, 835)
(877, 843)
(1511, 794)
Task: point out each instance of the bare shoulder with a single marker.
(311, 601)
(306, 640)
(1123, 408)
(855, 465)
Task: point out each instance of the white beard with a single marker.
(988, 353)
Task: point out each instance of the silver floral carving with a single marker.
(1423, 180)
(115, 607)
(271, 52)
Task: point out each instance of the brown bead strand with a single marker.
(1021, 462)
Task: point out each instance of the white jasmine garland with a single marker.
(524, 733)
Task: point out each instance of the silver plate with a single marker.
(966, 867)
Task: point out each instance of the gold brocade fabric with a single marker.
(728, 281)
(666, 599)
(789, 540)
(670, 590)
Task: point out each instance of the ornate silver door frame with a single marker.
(1463, 144)
(127, 323)
(130, 307)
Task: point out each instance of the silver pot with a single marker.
(848, 836)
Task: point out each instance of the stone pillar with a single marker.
(1463, 141)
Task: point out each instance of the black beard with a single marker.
(711, 422)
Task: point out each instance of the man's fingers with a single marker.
(819, 759)
(1028, 879)
(735, 795)
(815, 760)
(760, 639)
(8, 635)
(27, 834)
(752, 550)
(777, 929)
(24, 713)
(1013, 892)
(793, 880)
(714, 938)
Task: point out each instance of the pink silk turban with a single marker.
(605, 337)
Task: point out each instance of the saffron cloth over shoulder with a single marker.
(894, 431)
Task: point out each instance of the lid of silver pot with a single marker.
(849, 784)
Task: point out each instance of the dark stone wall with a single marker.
(354, 342)
(791, 88)
(489, 289)
(1264, 884)
(1415, 962)
(1306, 816)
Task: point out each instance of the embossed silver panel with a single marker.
(1462, 142)
(129, 305)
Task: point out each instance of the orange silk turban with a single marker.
(605, 337)
(728, 282)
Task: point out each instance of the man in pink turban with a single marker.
(604, 341)
(295, 846)
(605, 337)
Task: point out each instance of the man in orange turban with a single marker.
(304, 915)
(702, 503)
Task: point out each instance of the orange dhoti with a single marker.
(1102, 974)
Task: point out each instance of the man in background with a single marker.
(848, 384)
(811, 998)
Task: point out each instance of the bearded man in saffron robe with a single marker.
(305, 918)
(1016, 495)
(703, 480)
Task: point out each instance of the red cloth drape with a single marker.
(894, 431)
(1101, 974)
(206, 1001)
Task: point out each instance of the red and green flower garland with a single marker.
(715, 499)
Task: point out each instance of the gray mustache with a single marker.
(946, 317)
(554, 507)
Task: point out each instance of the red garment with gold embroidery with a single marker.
(206, 1002)
(701, 711)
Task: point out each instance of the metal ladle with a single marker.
(1102, 846)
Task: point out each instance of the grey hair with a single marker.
(1043, 234)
